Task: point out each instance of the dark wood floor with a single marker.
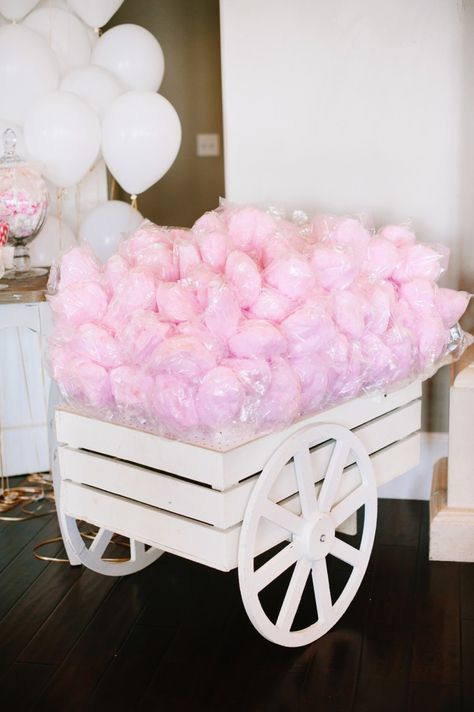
(175, 636)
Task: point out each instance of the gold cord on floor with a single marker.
(36, 499)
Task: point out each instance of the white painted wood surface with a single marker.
(452, 494)
(222, 509)
(189, 517)
(24, 387)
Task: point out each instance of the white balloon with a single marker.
(95, 13)
(54, 238)
(16, 9)
(65, 33)
(63, 133)
(133, 54)
(28, 69)
(141, 136)
(96, 85)
(106, 225)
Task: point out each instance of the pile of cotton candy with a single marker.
(247, 321)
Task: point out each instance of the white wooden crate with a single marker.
(191, 500)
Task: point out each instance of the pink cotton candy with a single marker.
(345, 375)
(115, 270)
(214, 247)
(244, 276)
(223, 312)
(322, 226)
(308, 329)
(432, 338)
(378, 361)
(219, 398)
(141, 334)
(97, 344)
(186, 251)
(417, 261)
(397, 234)
(451, 305)
(80, 302)
(334, 267)
(249, 227)
(79, 265)
(257, 338)
(247, 321)
(379, 300)
(313, 376)
(399, 340)
(160, 259)
(254, 373)
(142, 239)
(275, 247)
(420, 295)
(202, 334)
(173, 403)
(176, 301)
(350, 233)
(282, 401)
(292, 276)
(349, 307)
(136, 291)
(271, 305)
(182, 356)
(209, 222)
(201, 278)
(80, 380)
(382, 258)
(403, 314)
(131, 388)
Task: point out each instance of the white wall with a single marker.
(346, 105)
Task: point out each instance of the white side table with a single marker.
(24, 381)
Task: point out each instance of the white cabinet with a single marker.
(24, 388)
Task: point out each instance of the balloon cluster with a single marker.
(247, 321)
(76, 94)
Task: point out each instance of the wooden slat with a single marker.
(222, 509)
(133, 445)
(170, 532)
(251, 457)
(197, 541)
(219, 469)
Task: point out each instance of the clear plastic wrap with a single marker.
(248, 321)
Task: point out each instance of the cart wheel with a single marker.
(309, 524)
(135, 558)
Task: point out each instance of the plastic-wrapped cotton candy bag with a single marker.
(249, 321)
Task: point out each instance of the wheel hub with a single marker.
(318, 537)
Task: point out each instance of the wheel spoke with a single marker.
(346, 553)
(293, 595)
(101, 542)
(322, 592)
(305, 479)
(333, 476)
(276, 566)
(137, 549)
(282, 517)
(349, 505)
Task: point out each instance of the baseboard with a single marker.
(416, 483)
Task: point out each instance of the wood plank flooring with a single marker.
(175, 636)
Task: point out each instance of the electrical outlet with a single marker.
(207, 144)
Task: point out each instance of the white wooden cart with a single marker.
(302, 486)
